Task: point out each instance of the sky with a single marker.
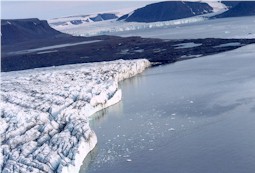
(52, 9)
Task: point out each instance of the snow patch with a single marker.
(228, 45)
(49, 51)
(53, 47)
(187, 45)
(190, 56)
(217, 6)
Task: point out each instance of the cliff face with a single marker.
(169, 10)
(21, 30)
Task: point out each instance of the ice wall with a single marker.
(44, 113)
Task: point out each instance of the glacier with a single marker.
(114, 27)
(45, 113)
(187, 28)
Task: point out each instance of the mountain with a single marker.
(105, 16)
(80, 19)
(21, 30)
(243, 8)
(169, 10)
(230, 4)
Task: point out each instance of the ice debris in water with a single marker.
(44, 113)
(171, 129)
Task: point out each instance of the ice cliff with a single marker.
(44, 113)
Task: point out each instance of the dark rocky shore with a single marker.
(112, 48)
(17, 54)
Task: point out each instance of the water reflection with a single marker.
(102, 116)
(179, 117)
(89, 159)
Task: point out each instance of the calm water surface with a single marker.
(195, 116)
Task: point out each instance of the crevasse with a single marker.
(44, 113)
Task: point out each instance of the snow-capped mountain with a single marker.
(80, 19)
(243, 8)
(19, 30)
(122, 27)
(168, 10)
(164, 11)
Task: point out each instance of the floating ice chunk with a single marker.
(171, 129)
